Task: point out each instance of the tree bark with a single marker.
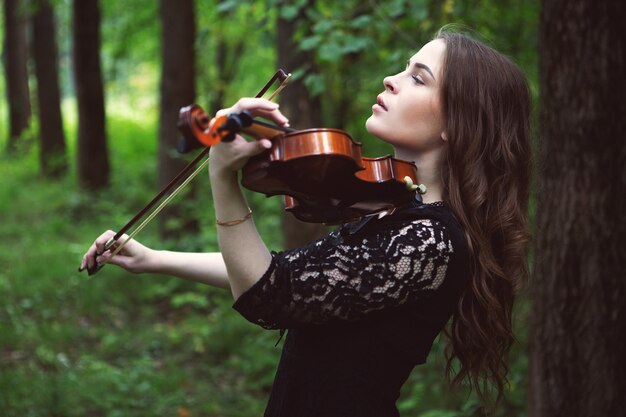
(577, 361)
(93, 159)
(53, 157)
(302, 110)
(177, 90)
(16, 69)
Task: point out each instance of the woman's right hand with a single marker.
(134, 257)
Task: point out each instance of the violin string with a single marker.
(160, 207)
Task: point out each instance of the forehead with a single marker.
(432, 55)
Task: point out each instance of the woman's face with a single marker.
(408, 113)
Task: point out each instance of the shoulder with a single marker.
(414, 220)
(429, 229)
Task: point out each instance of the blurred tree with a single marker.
(16, 71)
(227, 53)
(93, 159)
(578, 363)
(303, 110)
(177, 90)
(53, 158)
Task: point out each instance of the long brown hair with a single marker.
(487, 170)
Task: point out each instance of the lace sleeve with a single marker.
(337, 279)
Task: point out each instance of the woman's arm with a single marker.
(206, 268)
(245, 255)
(244, 252)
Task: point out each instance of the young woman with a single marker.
(364, 304)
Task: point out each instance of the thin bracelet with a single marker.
(235, 222)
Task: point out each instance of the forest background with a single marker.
(123, 345)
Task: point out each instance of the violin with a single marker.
(321, 172)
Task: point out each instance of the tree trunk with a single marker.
(302, 110)
(177, 90)
(16, 68)
(53, 158)
(93, 160)
(578, 363)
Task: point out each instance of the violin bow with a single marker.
(279, 76)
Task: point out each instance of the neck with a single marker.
(428, 171)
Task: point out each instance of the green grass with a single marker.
(125, 345)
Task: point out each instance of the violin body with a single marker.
(325, 179)
(321, 172)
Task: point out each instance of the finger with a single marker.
(104, 258)
(241, 105)
(257, 107)
(264, 144)
(254, 105)
(102, 240)
(222, 112)
(89, 258)
(256, 147)
(276, 116)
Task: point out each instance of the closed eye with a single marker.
(417, 79)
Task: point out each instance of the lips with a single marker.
(381, 103)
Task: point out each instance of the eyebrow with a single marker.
(422, 66)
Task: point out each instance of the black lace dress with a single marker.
(362, 307)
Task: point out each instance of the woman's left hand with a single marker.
(228, 158)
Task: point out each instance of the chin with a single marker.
(375, 129)
(370, 126)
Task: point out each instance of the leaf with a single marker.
(324, 26)
(289, 11)
(361, 21)
(226, 6)
(315, 83)
(310, 42)
(354, 44)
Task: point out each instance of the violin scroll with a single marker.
(198, 130)
(192, 124)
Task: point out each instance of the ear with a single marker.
(444, 136)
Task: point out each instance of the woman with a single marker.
(364, 304)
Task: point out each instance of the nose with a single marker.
(390, 84)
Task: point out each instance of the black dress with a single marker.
(362, 307)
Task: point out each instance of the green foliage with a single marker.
(235, 50)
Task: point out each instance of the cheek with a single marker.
(423, 110)
(427, 116)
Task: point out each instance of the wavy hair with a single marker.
(487, 175)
